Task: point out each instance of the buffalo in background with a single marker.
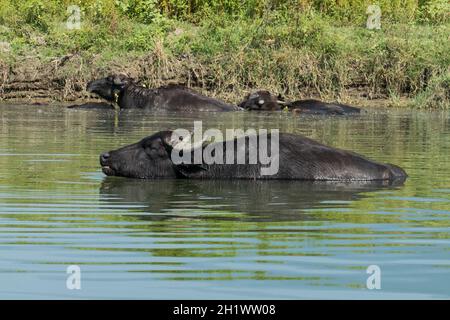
(264, 101)
(127, 94)
(123, 92)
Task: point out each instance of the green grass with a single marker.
(298, 48)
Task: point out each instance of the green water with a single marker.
(219, 239)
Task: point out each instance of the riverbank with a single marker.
(33, 81)
(293, 52)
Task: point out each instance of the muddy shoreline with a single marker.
(49, 97)
(63, 81)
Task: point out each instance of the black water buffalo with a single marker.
(128, 94)
(265, 101)
(298, 158)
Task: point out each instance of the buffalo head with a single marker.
(262, 101)
(108, 87)
(149, 158)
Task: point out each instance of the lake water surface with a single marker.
(175, 239)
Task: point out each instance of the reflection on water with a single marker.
(221, 199)
(219, 239)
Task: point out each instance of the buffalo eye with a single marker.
(155, 147)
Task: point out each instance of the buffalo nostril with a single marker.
(105, 156)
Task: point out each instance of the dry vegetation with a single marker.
(227, 48)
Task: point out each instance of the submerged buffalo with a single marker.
(297, 158)
(127, 95)
(265, 101)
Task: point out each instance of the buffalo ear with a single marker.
(189, 170)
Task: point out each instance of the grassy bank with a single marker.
(228, 48)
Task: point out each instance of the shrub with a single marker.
(436, 11)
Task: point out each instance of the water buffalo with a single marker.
(298, 158)
(128, 94)
(264, 101)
